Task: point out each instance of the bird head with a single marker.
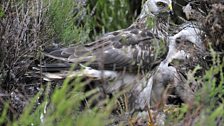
(157, 7)
(178, 47)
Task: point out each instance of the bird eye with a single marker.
(161, 4)
(178, 40)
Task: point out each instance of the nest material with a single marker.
(214, 27)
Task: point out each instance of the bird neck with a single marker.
(158, 25)
(161, 26)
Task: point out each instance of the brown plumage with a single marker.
(129, 51)
(117, 50)
(137, 47)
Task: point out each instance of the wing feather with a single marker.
(123, 48)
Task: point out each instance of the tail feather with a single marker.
(56, 67)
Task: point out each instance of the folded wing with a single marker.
(131, 48)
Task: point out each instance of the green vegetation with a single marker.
(107, 19)
(62, 22)
(73, 23)
(1, 12)
(207, 108)
(63, 108)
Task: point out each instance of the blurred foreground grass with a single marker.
(65, 105)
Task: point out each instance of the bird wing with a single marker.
(130, 48)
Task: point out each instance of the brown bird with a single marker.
(121, 58)
(186, 51)
(136, 48)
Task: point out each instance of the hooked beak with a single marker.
(170, 7)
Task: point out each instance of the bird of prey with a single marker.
(121, 57)
(135, 48)
(186, 51)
